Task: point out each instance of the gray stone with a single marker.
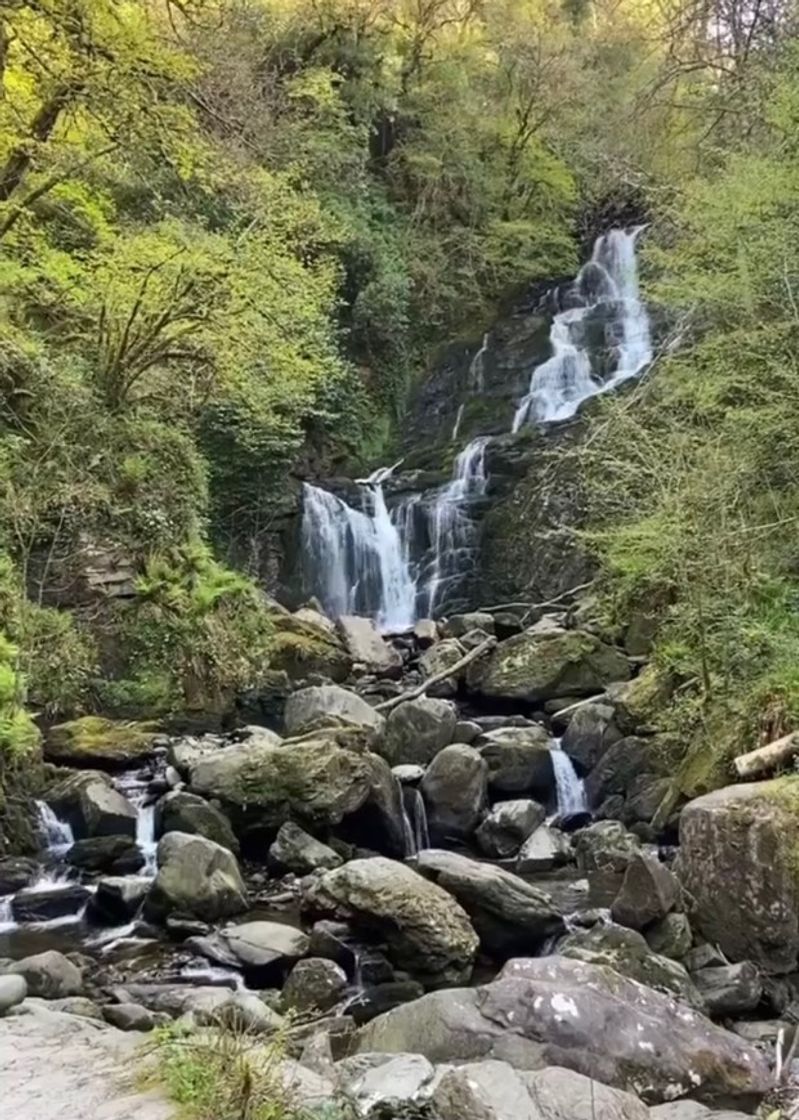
(377, 999)
(92, 806)
(518, 760)
(543, 850)
(259, 944)
(466, 731)
(408, 775)
(704, 956)
(81, 1006)
(425, 631)
(44, 905)
(765, 1031)
(671, 936)
(50, 975)
(328, 705)
(648, 892)
(604, 852)
(693, 1110)
(134, 1017)
(400, 1080)
(367, 646)
(591, 731)
(507, 826)
(562, 1094)
(455, 792)
(314, 984)
(15, 873)
(295, 850)
(106, 853)
(181, 811)
(509, 914)
(732, 989)
(13, 990)
(118, 898)
(195, 877)
(417, 730)
(459, 624)
(426, 930)
(441, 656)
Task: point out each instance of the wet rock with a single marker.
(426, 931)
(540, 664)
(441, 656)
(134, 1017)
(260, 945)
(377, 999)
(590, 733)
(333, 940)
(455, 789)
(295, 850)
(96, 741)
(186, 812)
(15, 873)
(604, 852)
(583, 1017)
(314, 984)
(45, 905)
(648, 892)
(13, 990)
(671, 936)
(543, 850)
(507, 825)
(425, 631)
(367, 646)
(92, 806)
(732, 989)
(509, 914)
(117, 899)
(50, 975)
(738, 860)
(408, 775)
(518, 760)
(195, 877)
(106, 853)
(328, 705)
(417, 730)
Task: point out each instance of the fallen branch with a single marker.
(538, 606)
(445, 674)
(600, 696)
(768, 758)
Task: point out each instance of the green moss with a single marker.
(300, 648)
(93, 739)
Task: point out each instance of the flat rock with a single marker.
(326, 705)
(545, 849)
(296, 850)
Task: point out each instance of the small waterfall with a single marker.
(477, 367)
(414, 821)
(57, 834)
(456, 427)
(7, 922)
(606, 285)
(135, 786)
(570, 788)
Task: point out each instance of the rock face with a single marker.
(506, 827)
(553, 1011)
(518, 759)
(92, 806)
(366, 646)
(542, 665)
(417, 730)
(186, 812)
(49, 974)
(509, 914)
(296, 851)
(195, 877)
(738, 863)
(427, 932)
(455, 789)
(328, 705)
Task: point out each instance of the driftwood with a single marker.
(436, 678)
(580, 704)
(530, 607)
(768, 758)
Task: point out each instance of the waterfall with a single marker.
(135, 786)
(607, 286)
(456, 427)
(414, 821)
(477, 367)
(7, 922)
(57, 834)
(570, 788)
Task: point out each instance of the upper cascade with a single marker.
(400, 564)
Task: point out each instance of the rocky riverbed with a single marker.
(470, 901)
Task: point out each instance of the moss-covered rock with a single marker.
(302, 647)
(96, 741)
(542, 664)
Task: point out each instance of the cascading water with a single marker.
(414, 821)
(477, 367)
(135, 787)
(570, 789)
(57, 834)
(606, 288)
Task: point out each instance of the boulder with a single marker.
(181, 811)
(507, 826)
(584, 1017)
(50, 975)
(44, 905)
(106, 853)
(671, 936)
(314, 984)
(627, 952)
(590, 733)
(92, 806)
(466, 731)
(134, 1017)
(731, 989)
(304, 645)
(367, 646)
(377, 999)
(15, 873)
(455, 789)
(738, 864)
(417, 730)
(425, 632)
(459, 624)
(541, 664)
(333, 941)
(96, 741)
(562, 1094)
(518, 760)
(13, 990)
(195, 877)
(395, 1082)
(645, 794)
(622, 765)
(509, 914)
(258, 945)
(543, 850)
(427, 932)
(295, 850)
(118, 899)
(648, 892)
(328, 705)
(604, 852)
(441, 656)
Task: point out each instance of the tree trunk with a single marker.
(766, 759)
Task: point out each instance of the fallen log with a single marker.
(445, 674)
(766, 759)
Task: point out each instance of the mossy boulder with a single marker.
(739, 864)
(303, 647)
(546, 663)
(95, 741)
(195, 877)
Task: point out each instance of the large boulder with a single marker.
(95, 741)
(731, 989)
(518, 760)
(92, 806)
(457, 625)
(295, 850)
(507, 826)
(591, 731)
(621, 767)
(509, 914)
(43, 905)
(306, 645)
(195, 877)
(328, 705)
(50, 975)
(181, 811)
(115, 854)
(367, 646)
(555, 1011)
(314, 984)
(542, 664)
(262, 785)
(436, 659)
(455, 790)
(649, 891)
(543, 850)
(417, 730)
(739, 863)
(118, 898)
(427, 932)
(604, 852)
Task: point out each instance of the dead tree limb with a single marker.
(445, 674)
